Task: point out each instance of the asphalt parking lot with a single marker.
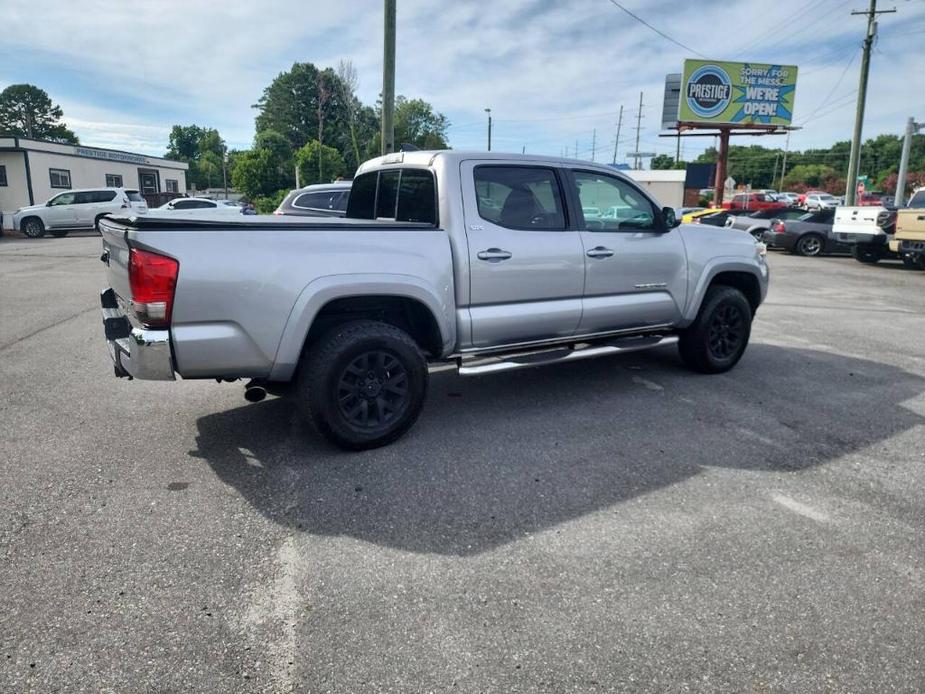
(608, 525)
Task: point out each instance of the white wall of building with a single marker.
(666, 186)
(15, 190)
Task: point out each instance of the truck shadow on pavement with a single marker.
(494, 459)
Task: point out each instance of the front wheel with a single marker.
(363, 384)
(717, 339)
(810, 245)
(34, 228)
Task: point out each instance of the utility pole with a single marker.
(388, 79)
(488, 111)
(616, 142)
(576, 149)
(854, 159)
(593, 144)
(638, 164)
(911, 129)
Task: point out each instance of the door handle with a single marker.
(494, 255)
(599, 252)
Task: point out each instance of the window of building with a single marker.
(173, 185)
(113, 180)
(519, 197)
(3, 176)
(60, 178)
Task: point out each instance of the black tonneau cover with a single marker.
(175, 222)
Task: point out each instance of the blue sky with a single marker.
(552, 72)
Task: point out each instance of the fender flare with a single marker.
(716, 266)
(323, 290)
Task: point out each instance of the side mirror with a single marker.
(671, 220)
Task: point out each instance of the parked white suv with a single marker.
(76, 209)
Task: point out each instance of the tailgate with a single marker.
(115, 256)
(857, 220)
(910, 224)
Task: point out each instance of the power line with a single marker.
(835, 86)
(657, 31)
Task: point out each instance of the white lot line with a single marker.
(801, 509)
(274, 615)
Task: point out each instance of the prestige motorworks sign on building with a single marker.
(718, 92)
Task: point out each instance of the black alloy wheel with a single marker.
(372, 390)
(726, 331)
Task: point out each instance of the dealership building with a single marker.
(33, 171)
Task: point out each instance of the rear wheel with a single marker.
(810, 245)
(718, 337)
(33, 227)
(363, 384)
(914, 261)
(865, 253)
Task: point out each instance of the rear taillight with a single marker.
(153, 279)
(777, 227)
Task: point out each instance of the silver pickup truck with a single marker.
(487, 261)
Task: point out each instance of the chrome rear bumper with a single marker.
(136, 351)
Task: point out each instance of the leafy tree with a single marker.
(416, 123)
(319, 163)
(349, 81)
(302, 103)
(265, 169)
(202, 148)
(266, 204)
(661, 161)
(27, 111)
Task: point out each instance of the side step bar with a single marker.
(560, 356)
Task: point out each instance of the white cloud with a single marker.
(551, 72)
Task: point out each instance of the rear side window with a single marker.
(134, 196)
(91, 196)
(520, 197)
(416, 198)
(324, 200)
(362, 204)
(405, 195)
(917, 200)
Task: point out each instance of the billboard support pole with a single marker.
(720, 182)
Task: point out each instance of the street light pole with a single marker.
(911, 129)
(488, 111)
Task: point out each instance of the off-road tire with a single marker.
(33, 227)
(717, 339)
(867, 254)
(809, 245)
(331, 392)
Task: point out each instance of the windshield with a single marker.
(826, 197)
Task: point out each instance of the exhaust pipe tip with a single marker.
(254, 393)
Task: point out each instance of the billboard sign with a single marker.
(670, 101)
(716, 92)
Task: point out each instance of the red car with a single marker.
(753, 201)
(869, 199)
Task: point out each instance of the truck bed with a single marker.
(241, 307)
